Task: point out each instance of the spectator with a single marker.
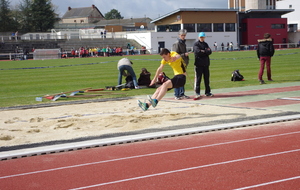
(265, 50)
(202, 63)
(104, 51)
(144, 79)
(231, 46)
(216, 46)
(124, 65)
(222, 46)
(132, 50)
(104, 33)
(180, 47)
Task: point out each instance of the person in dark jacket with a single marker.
(180, 47)
(202, 63)
(144, 79)
(265, 50)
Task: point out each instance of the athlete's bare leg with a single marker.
(162, 90)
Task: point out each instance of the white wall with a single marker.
(293, 17)
(171, 37)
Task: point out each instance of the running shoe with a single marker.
(209, 94)
(197, 97)
(152, 101)
(177, 98)
(142, 105)
(185, 97)
(262, 82)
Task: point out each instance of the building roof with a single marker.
(80, 12)
(123, 22)
(191, 10)
(270, 11)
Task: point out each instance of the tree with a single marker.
(42, 15)
(113, 14)
(24, 16)
(6, 19)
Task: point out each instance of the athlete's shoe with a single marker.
(262, 82)
(177, 98)
(142, 105)
(152, 101)
(185, 97)
(209, 94)
(197, 97)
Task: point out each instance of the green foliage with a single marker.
(6, 17)
(29, 16)
(43, 15)
(113, 14)
(24, 15)
(22, 86)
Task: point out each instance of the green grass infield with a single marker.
(23, 81)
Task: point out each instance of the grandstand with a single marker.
(9, 49)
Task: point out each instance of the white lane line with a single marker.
(289, 99)
(186, 169)
(269, 183)
(145, 155)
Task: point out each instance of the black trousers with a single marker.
(199, 71)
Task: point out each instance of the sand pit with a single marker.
(92, 119)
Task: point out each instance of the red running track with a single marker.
(259, 157)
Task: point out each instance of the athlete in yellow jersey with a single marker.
(178, 65)
(179, 68)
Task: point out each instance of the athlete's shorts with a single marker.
(178, 81)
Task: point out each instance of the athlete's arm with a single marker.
(158, 71)
(177, 56)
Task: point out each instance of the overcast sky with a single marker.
(135, 8)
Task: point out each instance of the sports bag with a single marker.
(236, 76)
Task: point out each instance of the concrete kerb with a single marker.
(136, 138)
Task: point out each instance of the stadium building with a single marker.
(242, 24)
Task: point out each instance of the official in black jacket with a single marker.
(265, 50)
(202, 63)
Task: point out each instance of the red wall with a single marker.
(256, 27)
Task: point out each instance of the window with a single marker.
(161, 28)
(204, 27)
(174, 28)
(278, 26)
(189, 27)
(229, 27)
(168, 28)
(218, 27)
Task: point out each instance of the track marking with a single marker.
(145, 155)
(268, 183)
(297, 99)
(186, 169)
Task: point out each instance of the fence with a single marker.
(68, 34)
